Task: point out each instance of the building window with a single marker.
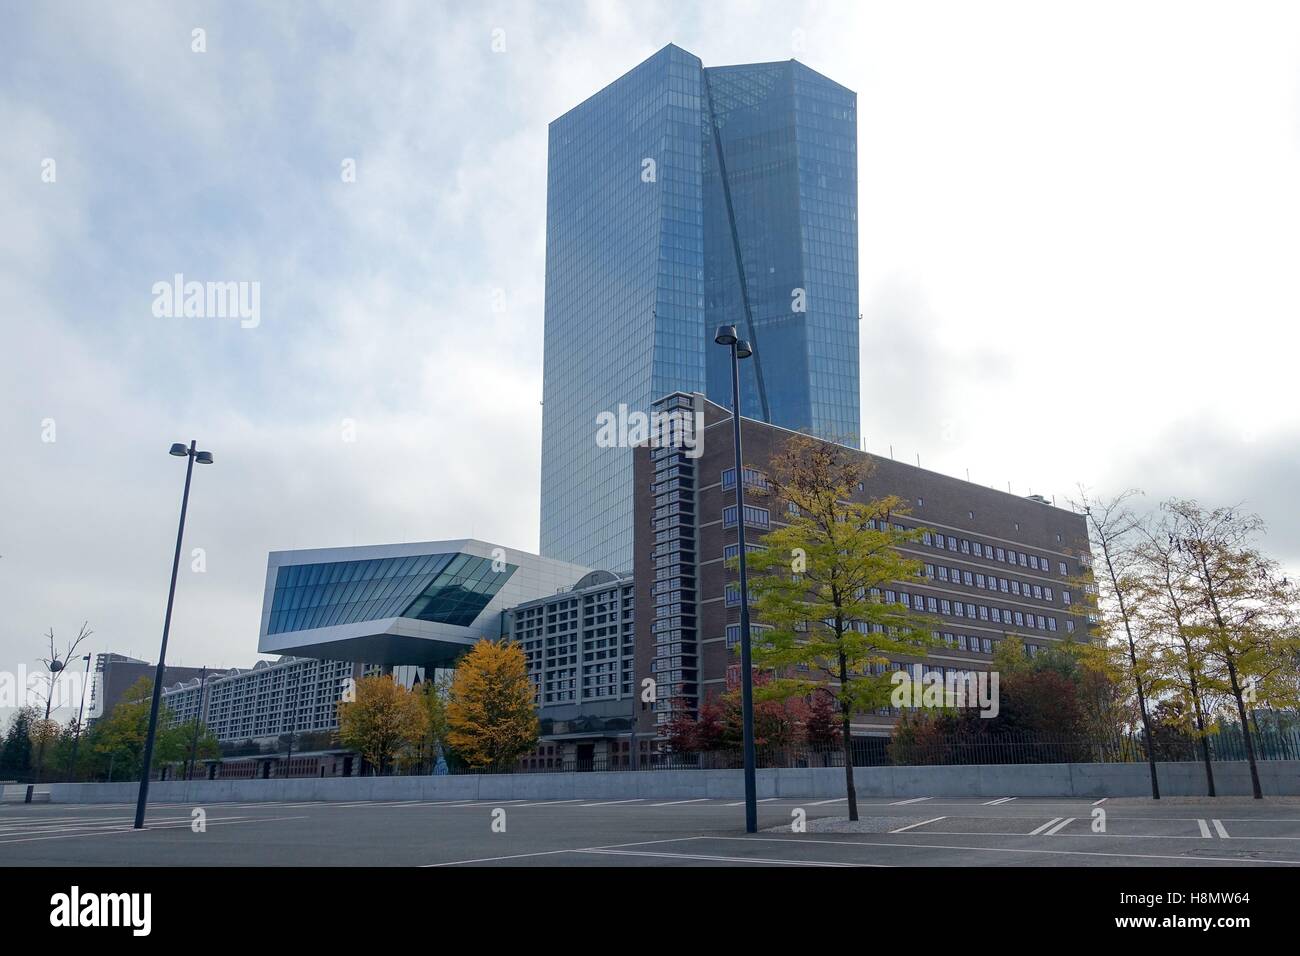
(733, 633)
(733, 595)
(753, 479)
(754, 517)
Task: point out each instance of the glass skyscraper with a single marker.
(681, 198)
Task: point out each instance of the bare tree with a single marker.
(1114, 530)
(55, 664)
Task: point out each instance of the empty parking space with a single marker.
(692, 831)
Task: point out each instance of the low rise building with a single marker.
(994, 563)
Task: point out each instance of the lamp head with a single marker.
(743, 350)
(203, 457)
(726, 335)
(179, 450)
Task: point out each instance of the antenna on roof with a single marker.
(918, 459)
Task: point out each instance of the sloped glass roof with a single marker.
(446, 588)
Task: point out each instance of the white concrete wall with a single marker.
(1278, 777)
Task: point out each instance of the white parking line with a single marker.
(903, 803)
(1039, 830)
(998, 802)
(1097, 803)
(674, 803)
(1017, 850)
(611, 803)
(1218, 828)
(520, 856)
(127, 828)
(741, 803)
(715, 859)
(1205, 829)
(547, 803)
(822, 803)
(1060, 826)
(913, 826)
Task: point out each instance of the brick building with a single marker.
(995, 563)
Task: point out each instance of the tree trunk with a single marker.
(1200, 727)
(1245, 729)
(847, 740)
(1142, 708)
(1137, 676)
(1228, 656)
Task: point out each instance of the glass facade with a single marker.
(446, 588)
(681, 198)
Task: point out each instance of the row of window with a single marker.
(992, 553)
(754, 517)
(984, 612)
(990, 582)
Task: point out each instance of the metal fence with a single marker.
(948, 749)
(926, 749)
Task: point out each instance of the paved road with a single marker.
(1025, 831)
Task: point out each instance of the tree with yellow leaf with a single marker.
(490, 716)
(383, 721)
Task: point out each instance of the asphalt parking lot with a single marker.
(938, 831)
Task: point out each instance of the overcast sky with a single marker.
(1080, 262)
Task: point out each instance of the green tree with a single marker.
(1184, 667)
(433, 697)
(16, 753)
(1115, 532)
(821, 584)
(1245, 609)
(121, 735)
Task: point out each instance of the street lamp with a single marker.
(726, 336)
(203, 458)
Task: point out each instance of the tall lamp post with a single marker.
(726, 336)
(203, 458)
